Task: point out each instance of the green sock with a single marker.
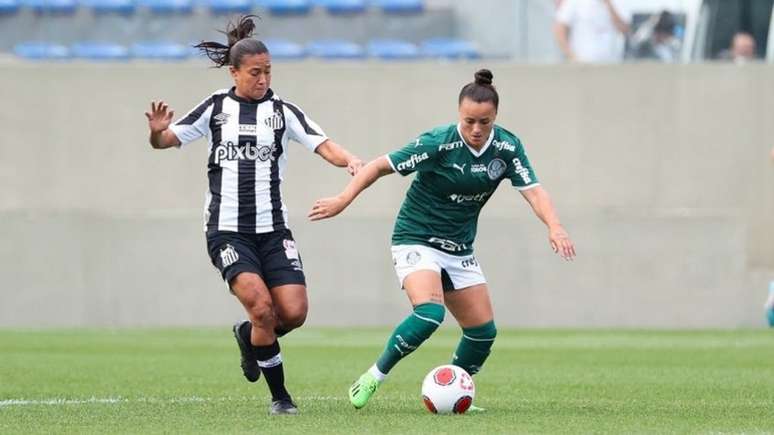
(415, 329)
(475, 346)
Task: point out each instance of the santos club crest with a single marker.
(275, 121)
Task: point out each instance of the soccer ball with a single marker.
(448, 389)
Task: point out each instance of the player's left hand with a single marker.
(561, 243)
(327, 208)
(354, 165)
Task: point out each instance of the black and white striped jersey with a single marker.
(248, 142)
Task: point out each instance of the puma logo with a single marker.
(461, 168)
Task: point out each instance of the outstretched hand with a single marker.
(561, 243)
(159, 116)
(327, 208)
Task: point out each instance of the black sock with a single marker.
(270, 361)
(245, 331)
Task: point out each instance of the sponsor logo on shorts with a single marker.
(413, 161)
(469, 262)
(290, 249)
(228, 256)
(413, 257)
(495, 169)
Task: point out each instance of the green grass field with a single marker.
(189, 381)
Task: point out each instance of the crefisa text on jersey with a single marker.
(412, 161)
(248, 151)
(502, 145)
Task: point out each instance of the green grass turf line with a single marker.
(187, 380)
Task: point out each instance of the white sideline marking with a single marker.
(115, 400)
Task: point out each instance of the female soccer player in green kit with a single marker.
(459, 166)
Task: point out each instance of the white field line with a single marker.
(119, 400)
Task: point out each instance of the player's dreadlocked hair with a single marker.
(481, 89)
(240, 43)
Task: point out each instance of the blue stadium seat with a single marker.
(8, 7)
(168, 6)
(335, 49)
(63, 7)
(285, 7)
(400, 6)
(342, 7)
(449, 48)
(41, 51)
(99, 51)
(393, 49)
(230, 6)
(282, 49)
(160, 51)
(125, 7)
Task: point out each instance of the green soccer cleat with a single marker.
(362, 390)
(476, 409)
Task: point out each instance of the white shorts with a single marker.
(456, 272)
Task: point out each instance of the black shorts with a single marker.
(273, 256)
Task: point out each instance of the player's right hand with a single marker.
(327, 208)
(159, 116)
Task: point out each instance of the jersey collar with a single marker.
(232, 94)
(473, 150)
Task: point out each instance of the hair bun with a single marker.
(240, 30)
(484, 77)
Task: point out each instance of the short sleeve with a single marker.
(194, 124)
(302, 129)
(419, 155)
(520, 170)
(565, 14)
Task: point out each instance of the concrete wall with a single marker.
(660, 173)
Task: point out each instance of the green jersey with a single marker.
(453, 183)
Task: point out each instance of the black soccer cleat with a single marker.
(283, 407)
(249, 362)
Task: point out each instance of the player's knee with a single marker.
(294, 319)
(261, 312)
(432, 314)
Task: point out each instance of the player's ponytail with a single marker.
(240, 43)
(481, 89)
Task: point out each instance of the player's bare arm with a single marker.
(543, 207)
(329, 207)
(159, 119)
(336, 155)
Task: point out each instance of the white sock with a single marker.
(377, 374)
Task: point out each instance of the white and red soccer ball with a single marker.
(448, 389)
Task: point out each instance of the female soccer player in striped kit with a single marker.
(459, 167)
(248, 127)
